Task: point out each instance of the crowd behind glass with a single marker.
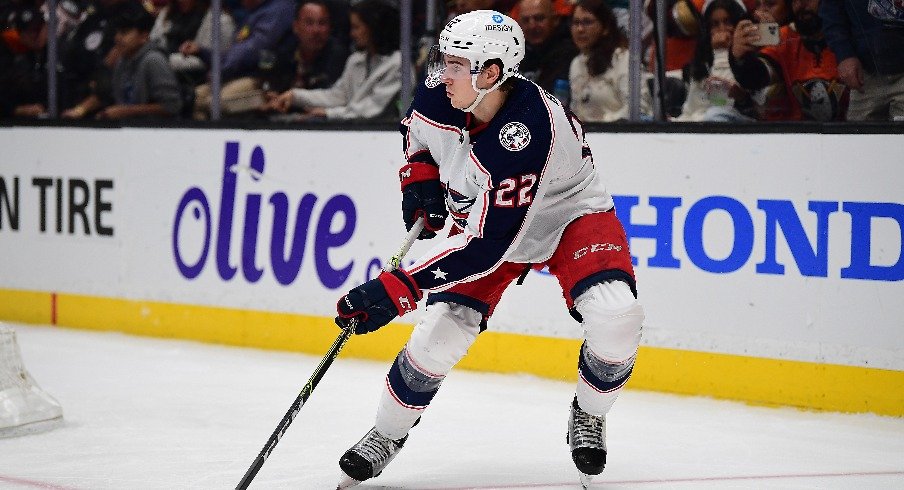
(335, 60)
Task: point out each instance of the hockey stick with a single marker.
(325, 363)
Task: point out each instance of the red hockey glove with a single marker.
(422, 195)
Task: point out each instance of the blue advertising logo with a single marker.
(811, 256)
(497, 18)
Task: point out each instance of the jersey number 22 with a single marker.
(516, 191)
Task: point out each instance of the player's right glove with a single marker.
(378, 301)
(422, 195)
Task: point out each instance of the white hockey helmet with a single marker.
(481, 36)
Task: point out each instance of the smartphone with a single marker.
(768, 32)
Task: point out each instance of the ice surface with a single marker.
(144, 413)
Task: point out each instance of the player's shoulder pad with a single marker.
(519, 137)
(431, 102)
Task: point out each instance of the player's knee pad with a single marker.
(612, 320)
(443, 336)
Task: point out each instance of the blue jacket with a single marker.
(265, 28)
(871, 30)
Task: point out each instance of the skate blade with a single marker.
(586, 480)
(346, 482)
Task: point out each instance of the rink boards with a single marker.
(770, 266)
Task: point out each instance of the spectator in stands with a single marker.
(177, 23)
(265, 31)
(773, 102)
(599, 73)
(317, 60)
(778, 11)
(621, 9)
(549, 48)
(804, 63)
(144, 85)
(87, 58)
(23, 57)
(562, 8)
(682, 30)
(713, 92)
(339, 11)
(370, 82)
(465, 6)
(868, 41)
(182, 30)
(69, 13)
(23, 76)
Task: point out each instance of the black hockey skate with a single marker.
(368, 457)
(587, 438)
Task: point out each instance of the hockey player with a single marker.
(511, 166)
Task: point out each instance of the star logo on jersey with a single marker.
(514, 136)
(439, 274)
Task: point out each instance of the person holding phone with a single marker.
(713, 93)
(808, 70)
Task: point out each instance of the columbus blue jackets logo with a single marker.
(514, 136)
(459, 206)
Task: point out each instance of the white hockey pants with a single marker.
(612, 320)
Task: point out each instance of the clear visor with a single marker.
(441, 65)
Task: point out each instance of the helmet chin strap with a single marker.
(481, 92)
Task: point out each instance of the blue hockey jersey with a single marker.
(512, 185)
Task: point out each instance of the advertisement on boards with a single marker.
(783, 246)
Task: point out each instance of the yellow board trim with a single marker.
(25, 306)
(750, 379)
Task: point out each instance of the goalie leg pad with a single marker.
(612, 320)
(438, 342)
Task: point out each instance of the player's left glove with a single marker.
(378, 301)
(422, 195)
